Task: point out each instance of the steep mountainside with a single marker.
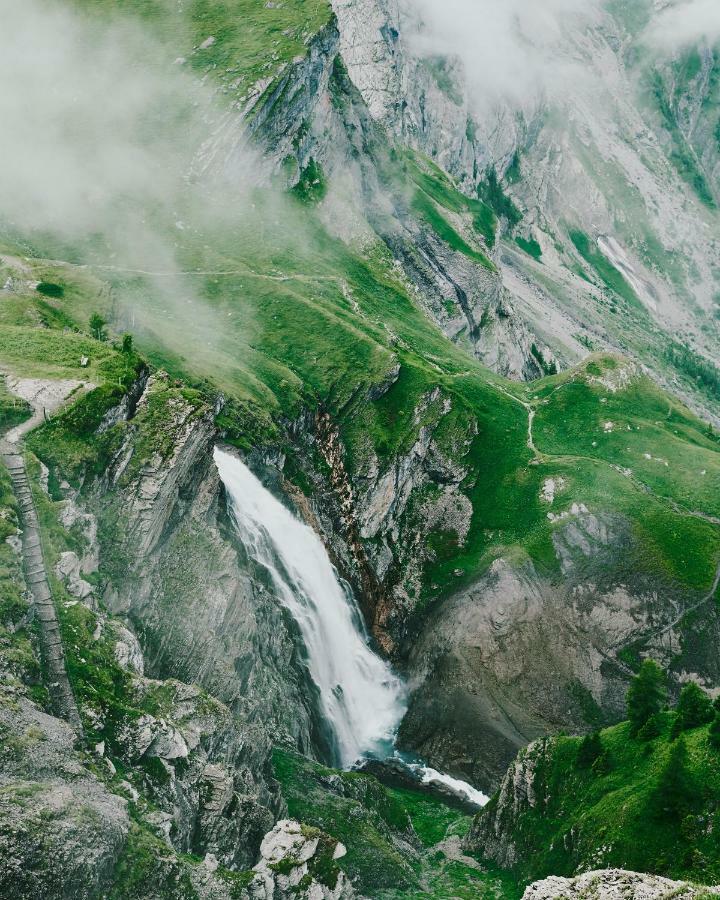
(610, 228)
(628, 803)
(475, 353)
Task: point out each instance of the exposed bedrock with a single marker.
(518, 655)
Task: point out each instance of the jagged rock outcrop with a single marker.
(421, 100)
(615, 884)
(61, 830)
(496, 832)
(297, 861)
(205, 772)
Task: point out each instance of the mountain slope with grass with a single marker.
(642, 799)
(495, 403)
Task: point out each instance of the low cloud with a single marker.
(686, 23)
(511, 50)
(100, 130)
(97, 127)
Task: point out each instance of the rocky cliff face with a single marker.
(614, 884)
(58, 822)
(298, 861)
(176, 571)
(187, 777)
(517, 655)
(497, 833)
(321, 122)
(576, 171)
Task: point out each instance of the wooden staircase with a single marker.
(61, 693)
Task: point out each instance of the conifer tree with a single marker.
(646, 695)
(694, 708)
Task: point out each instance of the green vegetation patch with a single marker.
(354, 809)
(436, 193)
(312, 184)
(605, 270)
(667, 457)
(71, 442)
(13, 410)
(51, 353)
(491, 192)
(393, 835)
(643, 803)
(429, 211)
(529, 246)
(683, 155)
(238, 42)
(702, 372)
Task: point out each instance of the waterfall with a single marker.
(362, 699)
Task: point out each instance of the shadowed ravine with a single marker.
(361, 698)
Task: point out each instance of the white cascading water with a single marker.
(362, 699)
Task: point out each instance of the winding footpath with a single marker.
(541, 456)
(44, 397)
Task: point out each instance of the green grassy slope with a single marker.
(641, 435)
(251, 39)
(393, 836)
(652, 808)
(291, 318)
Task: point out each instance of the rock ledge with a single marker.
(615, 884)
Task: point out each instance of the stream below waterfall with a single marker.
(361, 698)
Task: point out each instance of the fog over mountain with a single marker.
(359, 453)
(680, 24)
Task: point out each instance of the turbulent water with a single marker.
(362, 699)
(427, 775)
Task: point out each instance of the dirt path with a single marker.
(691, 609)
(44, 396)
(530, 410)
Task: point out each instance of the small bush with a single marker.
(98, 327)
(651, 729)
(50, 289)
(312, 186)
(589, 750)
(714, 732)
